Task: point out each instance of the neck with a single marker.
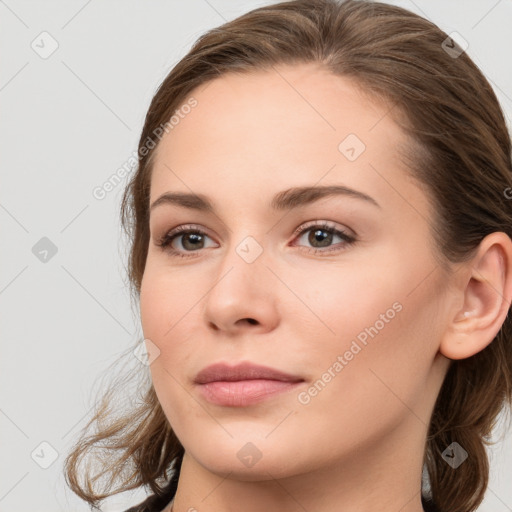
(384, 474)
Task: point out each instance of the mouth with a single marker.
(244, 384)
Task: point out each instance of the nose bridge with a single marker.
(242, 288)
(244, 264)
(247, 240)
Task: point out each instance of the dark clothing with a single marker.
(428, 506)
(156, 503)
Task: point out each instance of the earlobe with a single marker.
(486, 301)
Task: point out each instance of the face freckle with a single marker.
(353, 324)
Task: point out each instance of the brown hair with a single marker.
(460, 153)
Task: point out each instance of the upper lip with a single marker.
(242, 371)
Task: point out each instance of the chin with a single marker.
(243, 460)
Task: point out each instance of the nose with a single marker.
(242, 295)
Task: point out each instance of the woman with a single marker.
(320, 230)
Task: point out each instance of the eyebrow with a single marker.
(284, 200)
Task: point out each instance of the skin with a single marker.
(358, 444)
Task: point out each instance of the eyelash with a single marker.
(165, 241)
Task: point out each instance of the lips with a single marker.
(243, 371)
(244, 384)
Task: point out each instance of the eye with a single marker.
(321, 235)
(192, 239)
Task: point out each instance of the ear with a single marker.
(486, 296)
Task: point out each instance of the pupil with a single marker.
(195, 238)
(322, 236)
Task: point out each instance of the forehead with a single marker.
(285, 126)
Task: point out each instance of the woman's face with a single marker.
(340, 290)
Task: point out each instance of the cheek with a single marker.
(373, 377)
(161, 309)
(343, 304)
(169, 318)
(165, 297)
(381, 326)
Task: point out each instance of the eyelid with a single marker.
(165, 241)
(325, 224)
(299, 230)
(181, 229)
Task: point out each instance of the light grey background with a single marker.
(68, 122)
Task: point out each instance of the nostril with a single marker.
(252, 321)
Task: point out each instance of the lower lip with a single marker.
(243, 392)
